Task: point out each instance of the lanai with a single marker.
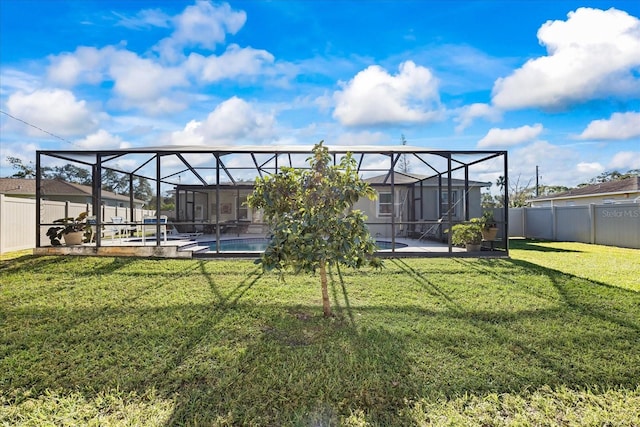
(186, 171)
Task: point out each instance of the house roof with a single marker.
(622, 186)
(52, 187)
(405, 178)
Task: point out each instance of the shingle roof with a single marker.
(630, 185)
(50, 187)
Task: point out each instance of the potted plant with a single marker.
(72, 230)
(468, 234)
(489, 226)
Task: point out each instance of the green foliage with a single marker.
(69, 225)
(487, 220)
(614, 175)
(118, 183)
(310, 215)
(548, 337)
(69, 173)
(23, 170)
(467, 232)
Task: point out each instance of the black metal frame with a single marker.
(277, 157)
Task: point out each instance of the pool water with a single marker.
(258, 244)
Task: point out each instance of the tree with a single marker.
(24, 171)
(115, 182)
(612, 176)
(518, 194)
(69, 173)
(404, 160)
(547, 190)
(487, 201)
(311, 217)
(119, 183)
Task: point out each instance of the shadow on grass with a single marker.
(236, 358)
(100, 265)
(589, 297)
(534, 245)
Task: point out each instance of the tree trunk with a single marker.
(326, 306)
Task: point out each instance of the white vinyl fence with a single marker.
(18, 219)
(611, 225)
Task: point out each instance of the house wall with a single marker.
(380, 225)
(425, 208)
(230, 207)
(429, 205)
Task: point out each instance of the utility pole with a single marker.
(537, 183)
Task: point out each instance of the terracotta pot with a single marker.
(489, 234)
(73, 238)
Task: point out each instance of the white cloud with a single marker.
(233, 121)
(593, 54)
(360, 138)
(202, 25)
(146, 83)
(236, 119)
(15, 80)
(555, 163)
(85, 65)
(142, 79)
(375, 97)
(144, 19)
(102, 140)
(589, 168)
(469, 113)
(236, 61)
(619, 126)
(138, 82)
(625, 160)
(54, 110)
(508, 137)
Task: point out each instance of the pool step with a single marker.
(194, 247)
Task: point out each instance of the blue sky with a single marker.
(556, 83)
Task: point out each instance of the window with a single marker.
(445, 204)
(385, 204)
(243, 209)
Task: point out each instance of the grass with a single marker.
(539, 339)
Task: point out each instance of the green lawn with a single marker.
(548, 337)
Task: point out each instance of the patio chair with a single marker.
(173, 232)
(149, 223)
(108, 230)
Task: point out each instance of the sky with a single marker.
(555, 83)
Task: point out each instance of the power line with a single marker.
(38, 128)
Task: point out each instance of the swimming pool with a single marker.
(259, 244)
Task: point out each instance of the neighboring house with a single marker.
(621, 191)
(58, 190)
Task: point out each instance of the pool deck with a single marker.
(182, 246)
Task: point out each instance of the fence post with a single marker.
(592, 223)
(554, 224)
